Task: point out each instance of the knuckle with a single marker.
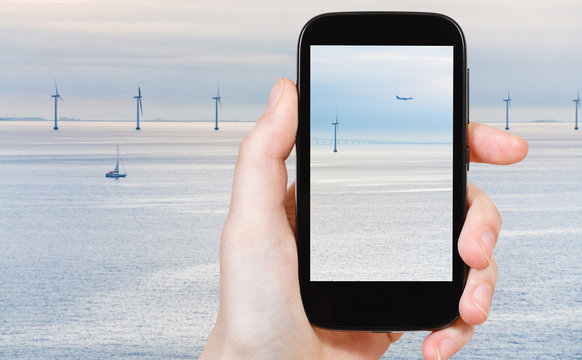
(244, 146)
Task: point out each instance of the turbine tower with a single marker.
(577, 102)
(335, 128)
(507, 101)
(57, 97)
(139, 106)
(217, 101)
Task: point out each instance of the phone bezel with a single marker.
(381, 306)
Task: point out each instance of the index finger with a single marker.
(494, 146)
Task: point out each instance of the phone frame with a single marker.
(381, 306)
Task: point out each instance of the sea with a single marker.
(381, 212)
(100, 268)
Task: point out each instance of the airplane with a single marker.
(403, 98)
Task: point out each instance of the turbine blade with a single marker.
(138, 91)
(140, 106)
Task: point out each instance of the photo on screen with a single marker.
(381, 170)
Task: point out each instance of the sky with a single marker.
(359, 84)
(100, 51)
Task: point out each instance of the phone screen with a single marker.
(381, 166)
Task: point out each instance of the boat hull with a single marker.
(115, 175)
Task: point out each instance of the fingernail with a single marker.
(446, 349)
(275, 94)
(487, 244)
(482, 298)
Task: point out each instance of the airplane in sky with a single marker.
(403, 98)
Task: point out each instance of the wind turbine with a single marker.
(507, 101)
(139, 106)
(335, 128)
(57, 97)
(577, 101)
(217, 101)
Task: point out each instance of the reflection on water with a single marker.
(97, 268)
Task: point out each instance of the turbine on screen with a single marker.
(139, 106)
(507, 103)
(577, 102)
(335, 133)
(217, 101)
(57, 97)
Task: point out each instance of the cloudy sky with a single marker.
(177, 50)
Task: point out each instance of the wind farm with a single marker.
(56, 96)
(138, 115)
(507, 102)
(217, 99)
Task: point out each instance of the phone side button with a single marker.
(468, 157)
(468, 96)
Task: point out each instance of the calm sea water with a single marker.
(394, 198)
(98, 268)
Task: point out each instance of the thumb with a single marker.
(260, 176)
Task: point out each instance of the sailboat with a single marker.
(115, 172)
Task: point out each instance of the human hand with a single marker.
(261, 315)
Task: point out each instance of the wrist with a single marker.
(219, 347)
(215, 348)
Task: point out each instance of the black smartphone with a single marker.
(381, 170)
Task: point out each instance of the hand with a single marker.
(260, 314)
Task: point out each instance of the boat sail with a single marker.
(115, 172)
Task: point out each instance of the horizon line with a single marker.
(111, 120)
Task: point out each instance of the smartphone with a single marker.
(382, 159)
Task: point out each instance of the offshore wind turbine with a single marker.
(57, 97)
(335, 128)
(507, 101)
(139, 106)
(577, 102)
(217, 101)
